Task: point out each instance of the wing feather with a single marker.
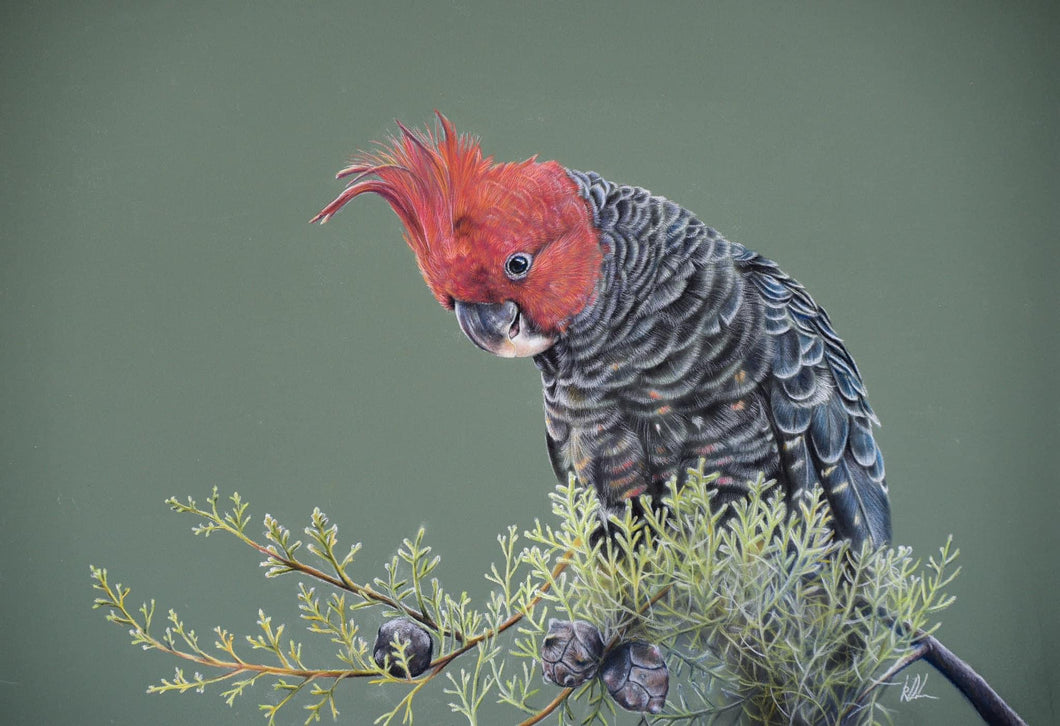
(818, 406)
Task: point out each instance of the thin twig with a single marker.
(899, 665)
(544, 713)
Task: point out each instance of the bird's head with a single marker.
(509, 247)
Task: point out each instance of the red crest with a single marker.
(464, 215)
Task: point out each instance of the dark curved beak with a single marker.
(500, 328)
(487, 324)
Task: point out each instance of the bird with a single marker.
(661, 344)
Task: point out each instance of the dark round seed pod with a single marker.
(636, 677)
(570, 652)
(419, 651)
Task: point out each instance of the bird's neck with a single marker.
(650, 245)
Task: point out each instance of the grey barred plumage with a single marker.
(693, 347)
(660, 343)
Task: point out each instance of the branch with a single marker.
(990, 706)
(237, 528)
(139, 629)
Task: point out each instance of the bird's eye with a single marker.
(517, 265)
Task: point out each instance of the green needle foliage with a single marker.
(763, 617)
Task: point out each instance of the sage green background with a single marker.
(168, 320)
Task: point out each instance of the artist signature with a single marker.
(915, 689)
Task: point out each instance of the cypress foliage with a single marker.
(761, 616)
